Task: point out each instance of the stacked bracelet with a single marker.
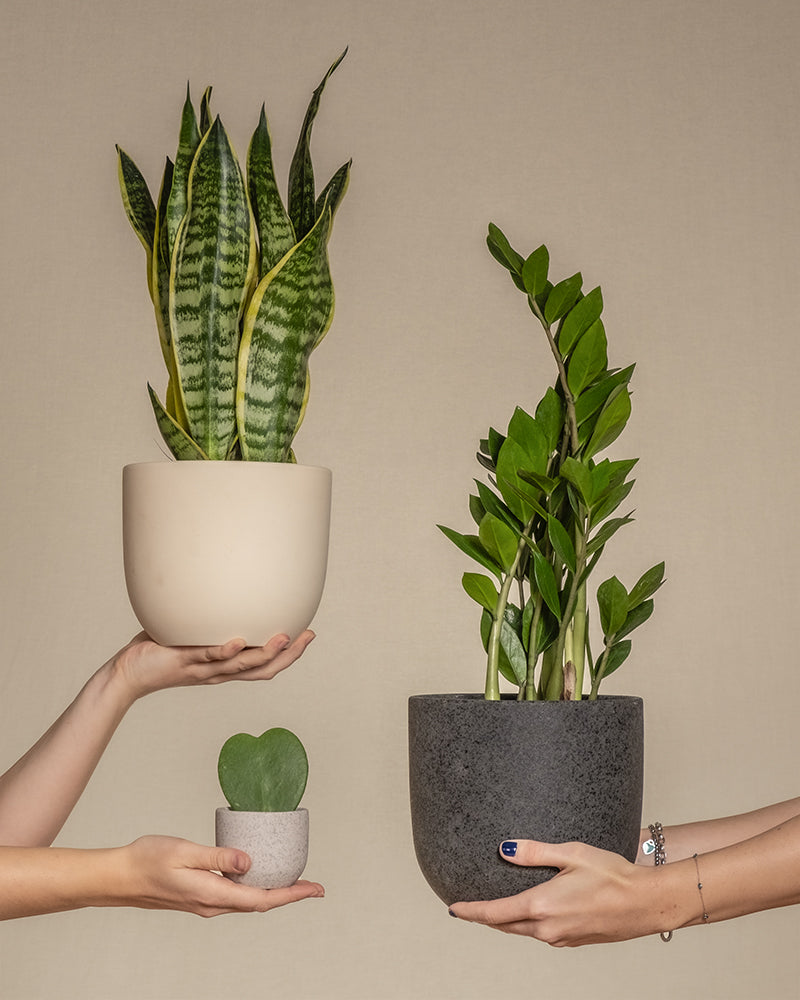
(656, 847)
(656, 844)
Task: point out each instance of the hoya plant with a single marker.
(240, 284)
(550, 506)
(266, 773)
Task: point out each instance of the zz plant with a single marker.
(545, 517)
(240, 284)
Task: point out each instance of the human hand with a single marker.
(145, 666)
(596, 897)
(167, 873)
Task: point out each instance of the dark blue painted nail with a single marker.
(509, 848)
(452, 914)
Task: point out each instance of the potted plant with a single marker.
(263, 778)
(232, 538)
(543, 760)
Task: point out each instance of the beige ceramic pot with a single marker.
(222, 550)
(277, 843)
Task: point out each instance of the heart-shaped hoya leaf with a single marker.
(266, 773)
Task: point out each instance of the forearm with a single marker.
(36, 880)
(38, 793)
(684, 840)
(760, 873)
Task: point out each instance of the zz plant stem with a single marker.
(548, 511)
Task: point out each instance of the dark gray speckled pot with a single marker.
(482, 772)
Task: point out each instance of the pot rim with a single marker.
(262, 812)
(209, 463)
(508, 698)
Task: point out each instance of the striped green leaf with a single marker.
(288, 316)
(175, 437)
(274, 228)
(205, 111)
(212, 269)
(334, 190)
(159, 279)
(138, 204)
(302, 200)
(188, 141)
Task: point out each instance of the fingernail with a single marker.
(241, 864)
(453, 914)
(509, 848)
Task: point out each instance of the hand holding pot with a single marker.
(146, 666)
(596, 897)
(174, 874)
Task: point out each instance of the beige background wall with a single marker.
(653, 145)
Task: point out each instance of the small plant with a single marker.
(241, 285)
(545, 518)
(266, 773)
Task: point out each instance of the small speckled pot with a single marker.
(277, 843)
(484, 771)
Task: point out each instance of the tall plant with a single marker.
(241, 285)
(545, 517)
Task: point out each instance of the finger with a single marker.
(534, 853)
(265, 662)
(495, 912)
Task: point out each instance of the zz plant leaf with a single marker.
(266, 773)
(545, 515)
(240, 284)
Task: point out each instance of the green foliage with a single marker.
(545, 517)
(241, 286)
(266, 773)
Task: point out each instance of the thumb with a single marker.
(220, 859)
(534, 853)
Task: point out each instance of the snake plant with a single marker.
(240, 284)
(545, 517)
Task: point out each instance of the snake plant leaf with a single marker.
(334, 190)
(276, 234)
(289, 314)
(139, 205)
(205, 111)
(212, 268)
(175, 437)
(302, 199)
(188, 141)
(266, 773)
(161, 267)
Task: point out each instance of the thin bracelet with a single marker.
(700, 889)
